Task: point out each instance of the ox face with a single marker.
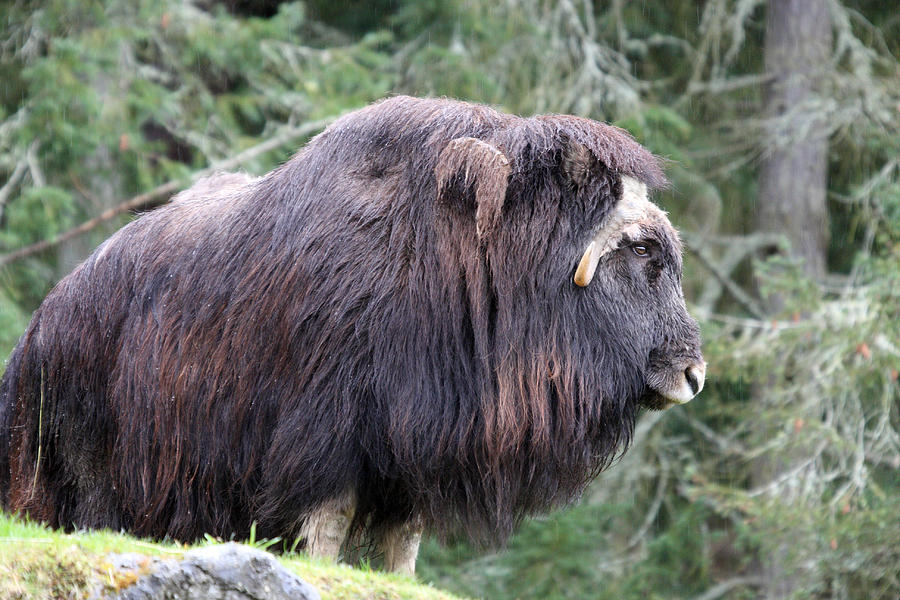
(633, 264)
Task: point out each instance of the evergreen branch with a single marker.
(653, 511)
(787, 476)
(160, 194)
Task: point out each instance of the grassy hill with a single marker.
(36, 562)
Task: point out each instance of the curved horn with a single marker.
(587, 265)
(483, 165)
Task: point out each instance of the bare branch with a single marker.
(742, 297)
(744, 323)
(737, 248)
(8, 187)
(727, 446)
(158, 194)
(37, 175)
(720, 589)
(724, 85)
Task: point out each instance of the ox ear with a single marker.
(466, 163)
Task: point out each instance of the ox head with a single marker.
(636, 252)
(627, 264)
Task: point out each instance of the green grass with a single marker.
(36, 562)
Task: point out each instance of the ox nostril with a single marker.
(692, 380)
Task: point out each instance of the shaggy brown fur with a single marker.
(390, 315)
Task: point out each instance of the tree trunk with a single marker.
(792, 195)
(793, 177)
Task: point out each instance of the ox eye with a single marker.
(640, 250)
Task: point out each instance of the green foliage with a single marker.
(12, 321)
(810, 397)
(795, 436)
(558, 557)
(115, 98)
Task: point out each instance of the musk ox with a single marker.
(434, 316)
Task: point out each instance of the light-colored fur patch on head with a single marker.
(631, 211)
(625, 219)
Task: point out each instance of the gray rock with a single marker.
(224, 572)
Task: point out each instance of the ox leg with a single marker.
(326, 527)
(401, 547)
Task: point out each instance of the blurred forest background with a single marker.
(779, 121)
